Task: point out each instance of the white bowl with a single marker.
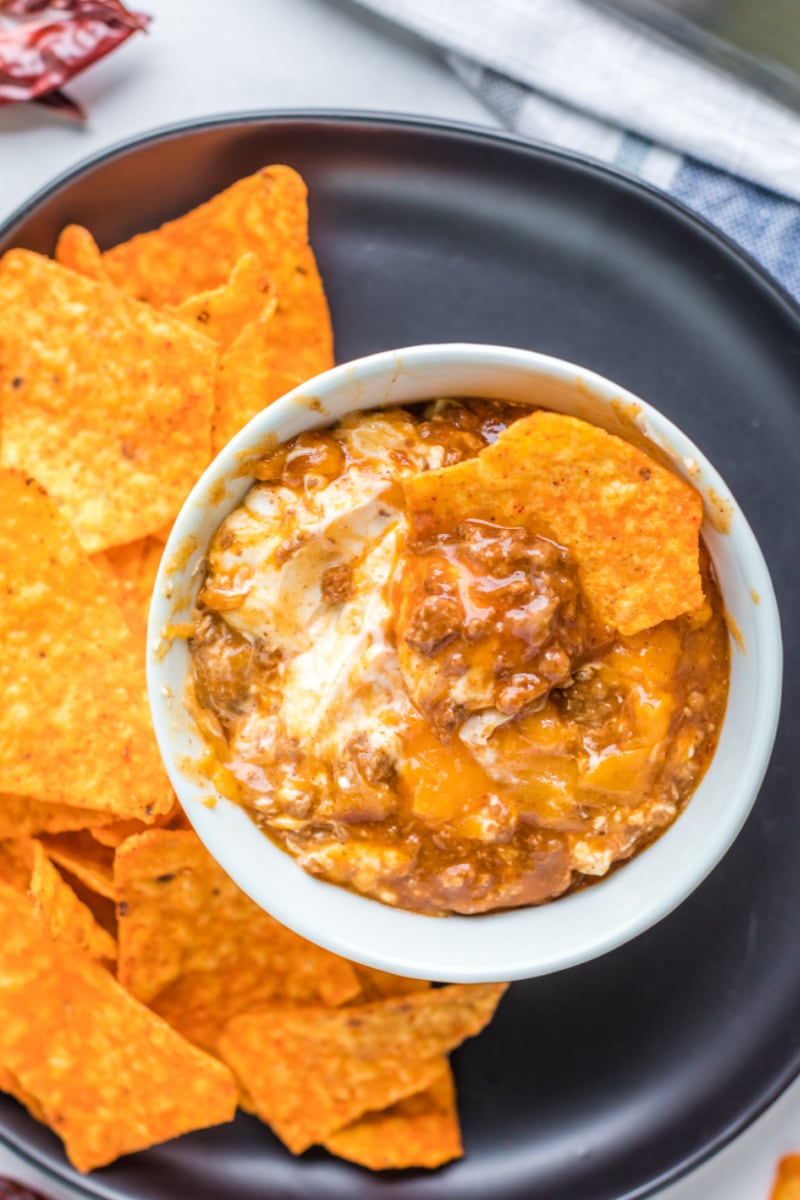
(528, 941)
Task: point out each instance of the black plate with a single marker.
(608, 1080)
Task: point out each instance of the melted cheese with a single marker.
(340, 674)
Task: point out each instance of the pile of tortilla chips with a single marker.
(142, 995)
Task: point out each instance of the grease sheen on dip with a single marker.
(439, 723)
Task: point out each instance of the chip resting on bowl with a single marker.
(74, 723)
(632, 526)
(105, 401)
(265, 214)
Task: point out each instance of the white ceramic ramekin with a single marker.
(523, 942)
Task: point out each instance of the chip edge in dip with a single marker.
(508, 944)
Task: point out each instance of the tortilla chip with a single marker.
(77, 249)
(421, 1131)
(9, 1083)
(787, 1179)
(84, 857)
(265, 214)
(199, 1004)
(133, 569)
(247, 383)
(632, 526)
(109, 1076)
(162, 534)
(114, 835)
(222, 313)
(376, 985)
(311, 1071)
(179, 820)
(102, 908)
(74, 724)
(179, 913)
(16, 862)
(20, 815)
(106, 401)
(61, 912)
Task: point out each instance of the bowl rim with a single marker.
(379, 919)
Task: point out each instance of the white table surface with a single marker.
(205, 57)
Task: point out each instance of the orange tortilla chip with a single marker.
(114, 835)
(247, 382)
(16, 862)
(74, 723)
(133, 568)
(200, 1003)
(106, 401)
(117, 832)
(421, 1131)
(102, 908)
(21, 815)
(107, 1074)
(84, 857)
(311, 1071)
(9, 1083)
(180, 914)
(77, 249)
(632, 526)
(787, 1179)
(222, 313)
(377, 985)
(61, 912)
(265, 214)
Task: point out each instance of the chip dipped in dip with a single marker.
(461, 657)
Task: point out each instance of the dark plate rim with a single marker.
(374, 119)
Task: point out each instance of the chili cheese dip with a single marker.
(461, 657)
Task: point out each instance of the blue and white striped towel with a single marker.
(572, 75)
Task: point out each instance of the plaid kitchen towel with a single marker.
(573, 75)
